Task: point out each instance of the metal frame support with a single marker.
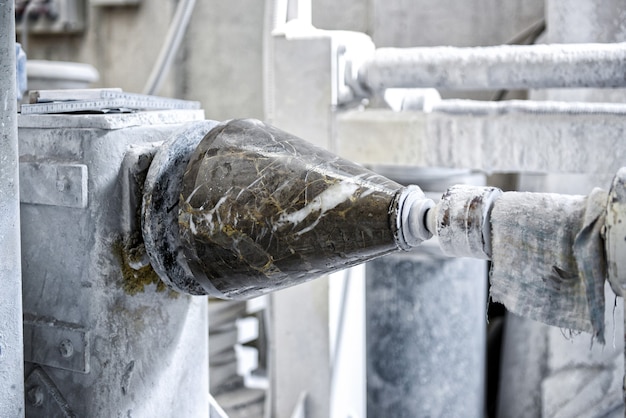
(11, 334)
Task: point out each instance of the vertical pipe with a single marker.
(11, 338)
(171, 46)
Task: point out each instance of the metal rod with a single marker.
(11, 337)
(497, 67)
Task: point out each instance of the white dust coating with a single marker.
(322, 203)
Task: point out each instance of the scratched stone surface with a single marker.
(263, 210)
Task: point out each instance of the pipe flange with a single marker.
(413, 205)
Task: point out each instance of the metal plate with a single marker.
(56, 344)
(54, 183)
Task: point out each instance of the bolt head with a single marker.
(66, 349)
(35, 395)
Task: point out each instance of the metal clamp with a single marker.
(461, 221)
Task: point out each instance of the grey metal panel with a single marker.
(56, 344)
(300, 354)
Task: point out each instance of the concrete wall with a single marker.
(406, 23)
(220, 63)
(122, 43)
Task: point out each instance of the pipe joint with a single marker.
(461, 221)
(413, 206)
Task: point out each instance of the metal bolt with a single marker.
(66, 349)
(35, 396)
(62, 184)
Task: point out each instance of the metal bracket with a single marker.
(53, 343)
(54, 183)
(341, 52)
(43, 398)
(133, 174)
(350, 50)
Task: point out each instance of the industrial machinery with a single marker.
(235, 210)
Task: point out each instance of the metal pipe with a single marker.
(497, 67)
(174, 37)
(11, 336)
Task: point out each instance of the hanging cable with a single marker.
(174, 38)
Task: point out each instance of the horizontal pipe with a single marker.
(497, 67)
